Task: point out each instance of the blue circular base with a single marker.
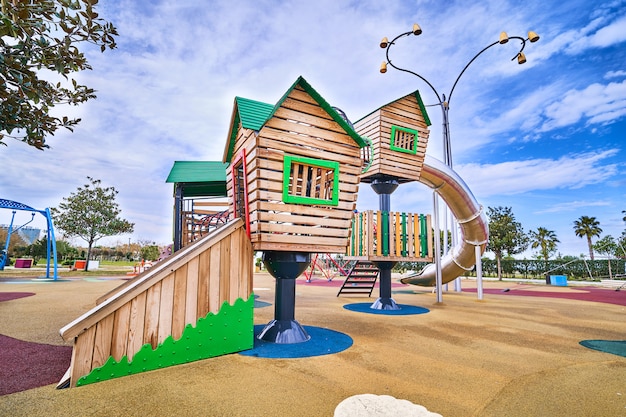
(322, 342)
(405, 309)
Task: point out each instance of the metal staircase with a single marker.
(360, 280)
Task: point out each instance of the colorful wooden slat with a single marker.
(393, 236)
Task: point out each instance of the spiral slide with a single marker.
(470, 216)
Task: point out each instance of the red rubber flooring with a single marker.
(599, 295)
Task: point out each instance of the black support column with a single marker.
(384, 187)
(285, 267)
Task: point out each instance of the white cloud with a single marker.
(516, 177)
(573, 206)
(615, 74)
(597, 103)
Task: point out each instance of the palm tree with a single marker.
(587, 227)
(545, 240)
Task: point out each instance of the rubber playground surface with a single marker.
(524, 350)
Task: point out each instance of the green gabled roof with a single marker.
(200, 178)
(254, 114)
(420, 103)
(251, 114)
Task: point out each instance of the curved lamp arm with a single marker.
(387, 46)
(504, 38)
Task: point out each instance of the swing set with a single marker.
(51, 241)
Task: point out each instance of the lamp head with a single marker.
(532, 36)
(383, 67)
(417, 30)
(521, 58)
(504, 38)
(384, 42)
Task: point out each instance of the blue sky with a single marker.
(546, 138)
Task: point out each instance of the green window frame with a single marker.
(310, 181)
(404, 139)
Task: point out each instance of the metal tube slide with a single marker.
(468, 213)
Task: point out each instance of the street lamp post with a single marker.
(444, 102)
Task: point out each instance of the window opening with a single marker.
(310, 181)
(404, 139)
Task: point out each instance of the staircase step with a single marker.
(360, 280)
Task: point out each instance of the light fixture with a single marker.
(417, 30)
(532, 36)
(384, 42)
(383, 67)
(521, 58)
(504, 38)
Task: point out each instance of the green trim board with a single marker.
(288, 163)
(369, 151)
(394, 131)
(422, 107)
(230, 330)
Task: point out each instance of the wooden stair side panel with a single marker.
(198, 280)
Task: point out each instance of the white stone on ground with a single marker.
(370, 405)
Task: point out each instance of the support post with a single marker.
(285, 267)
(384, 187)
(438, 279)
(479, 273)
(178, 216)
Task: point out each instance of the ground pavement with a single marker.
(511, 354)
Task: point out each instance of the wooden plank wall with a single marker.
(377, 127)
(162, 301)
(300, 127)
(405, 237)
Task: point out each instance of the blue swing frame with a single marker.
(51, 241)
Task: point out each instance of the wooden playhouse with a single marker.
(398, 132)
(294, 172)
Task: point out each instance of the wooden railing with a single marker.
(200, 218)
(390, 236)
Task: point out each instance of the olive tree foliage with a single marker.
(607, 246)
(38, 42)
(506, 236)
(90, 214)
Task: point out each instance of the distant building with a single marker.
(27, 235)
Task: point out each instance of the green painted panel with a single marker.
(385, 232)
(230, 330)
